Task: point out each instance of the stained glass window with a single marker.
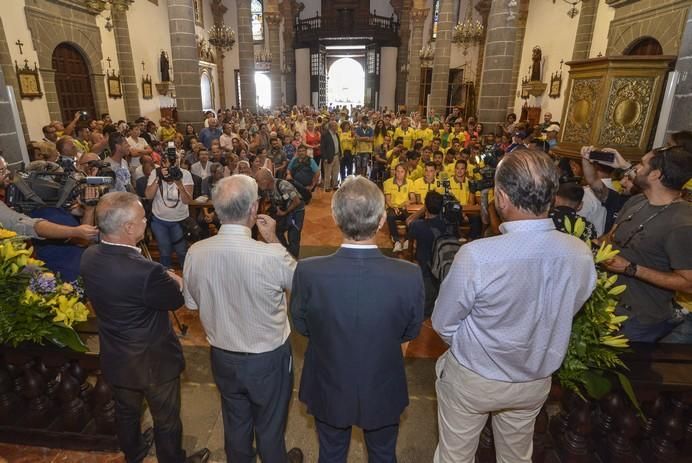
(256, 11)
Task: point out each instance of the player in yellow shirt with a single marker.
(396, 197)
(406, 132)
(346, 140)
(459, 187)
(425, 133)
(414, 169)
(425, 184)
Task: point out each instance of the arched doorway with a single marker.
(72, 82)
(644, 46)
(263, 90)
(346, 83)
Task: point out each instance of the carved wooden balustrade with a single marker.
(344, 25)
(55, 398)
(609, 430)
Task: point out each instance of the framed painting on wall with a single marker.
(114, 88)
(29, 83)
(147, 92)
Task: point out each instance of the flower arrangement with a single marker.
(35, 306)
(593, 353)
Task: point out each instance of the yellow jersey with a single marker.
(346, 140)
(422, 188)
(398, 193)
(407, 135)
(167, 134)
(416, 173)
(426, 135)
(460, 190)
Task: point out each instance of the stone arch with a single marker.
(648, 45)
(666, 28)
(50, 27)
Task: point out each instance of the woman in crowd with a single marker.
(190, 133)
(312, 141)
(346, 141)
(396, 196)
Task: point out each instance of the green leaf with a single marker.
(629, 390)
(596, 385)
(63, 336)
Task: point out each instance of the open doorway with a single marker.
(346, 83)
(263, 90)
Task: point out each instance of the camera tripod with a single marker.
(182, 327)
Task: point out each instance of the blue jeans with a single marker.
(288, 230)
(639, 332)
(169, 236)
(681, 334)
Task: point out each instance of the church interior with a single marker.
(555, 75)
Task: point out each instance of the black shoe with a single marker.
(295, 455)
(328, 190)
(200, 456)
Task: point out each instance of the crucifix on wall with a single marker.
(20, 45)
(109, 62)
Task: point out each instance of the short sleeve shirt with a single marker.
(460, 190)
(663, 244)
(421, 188)
(399, 193)
(167, 204)
(364, 146)
(284, 194)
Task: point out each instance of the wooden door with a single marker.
(72, 82)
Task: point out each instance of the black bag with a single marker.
(445, 247)
(192, 232)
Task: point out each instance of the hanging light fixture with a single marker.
(468, 32)
(221, 36)
(573, 11)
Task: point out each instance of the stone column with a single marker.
(246, 55)
(522, 16)
(128, 79)
(7, 68)
(443, 52)
(587, 22)
(402, 56)
(273, 23)
(496, 83)
(680, 114)
(185, 63)
(418, 16)
(289, 11)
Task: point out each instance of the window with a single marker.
(435, 18)
(206, 88)
(263, 89)
(256, 11)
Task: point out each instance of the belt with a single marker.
(249, 354)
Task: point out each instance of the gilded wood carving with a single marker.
(582, 105)
(626, 111)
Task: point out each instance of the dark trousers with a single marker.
(639, 332)
(255, 394)
(346, 164)
(288, 230)
(392, 218)
(475, 227)
(334, 442)
(164, 405)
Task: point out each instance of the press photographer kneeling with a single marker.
(170, 190)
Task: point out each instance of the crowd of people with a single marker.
(241, 185)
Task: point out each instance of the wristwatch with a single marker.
(631, 270)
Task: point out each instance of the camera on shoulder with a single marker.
(173, 172)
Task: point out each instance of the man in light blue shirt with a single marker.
(506, 309)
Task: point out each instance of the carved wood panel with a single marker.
(581, 114)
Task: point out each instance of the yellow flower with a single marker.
(579, 227)
(605, 252)
(610, 281)
(66, 288)
(568, 225)
(6, 234)
(34, 262)
(617, 290)
(619, 341)
(68, 310)
(30, 297)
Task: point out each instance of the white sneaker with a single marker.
(397, 247)
(405, 246)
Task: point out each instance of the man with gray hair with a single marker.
(140, 355)
(506, 309)
(239, 287)
(356, 308)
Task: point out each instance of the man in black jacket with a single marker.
(141, 357)
(330, 148)
(354, 367)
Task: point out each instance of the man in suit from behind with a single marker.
(356, 307)
(141, 357)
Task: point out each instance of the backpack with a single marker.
(304, 193)
(445, 247)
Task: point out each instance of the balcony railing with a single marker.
(382, 29)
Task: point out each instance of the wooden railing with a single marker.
(382, 29)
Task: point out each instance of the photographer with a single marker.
(423, 232)
(170, 189)
(287, 208)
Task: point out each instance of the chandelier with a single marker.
(469, 32)
(573, 11)
(221, 36)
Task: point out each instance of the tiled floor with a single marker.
(200, 403)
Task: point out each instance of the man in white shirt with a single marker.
(239, 287)
(138, 146)
(120, 148)
(202, 168)
(226, 138)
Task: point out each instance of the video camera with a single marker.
(451, 208)
(51, 188)
(491, 157)
(175, 173)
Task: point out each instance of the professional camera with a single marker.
(175, 173)
(491, 158)
(52, 188)
(451, 208)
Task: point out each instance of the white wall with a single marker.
(549, 27)
(599, 41)
(388, 72)
(14, 22)
(303, 76)
(311, 6)
(116, 106)
(383, 7)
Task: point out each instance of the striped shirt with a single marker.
(506, 306)
(239, 287)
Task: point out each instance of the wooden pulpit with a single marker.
(612, 101)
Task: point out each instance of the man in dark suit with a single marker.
(330, 149)
(356, 307)
(141, 357)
